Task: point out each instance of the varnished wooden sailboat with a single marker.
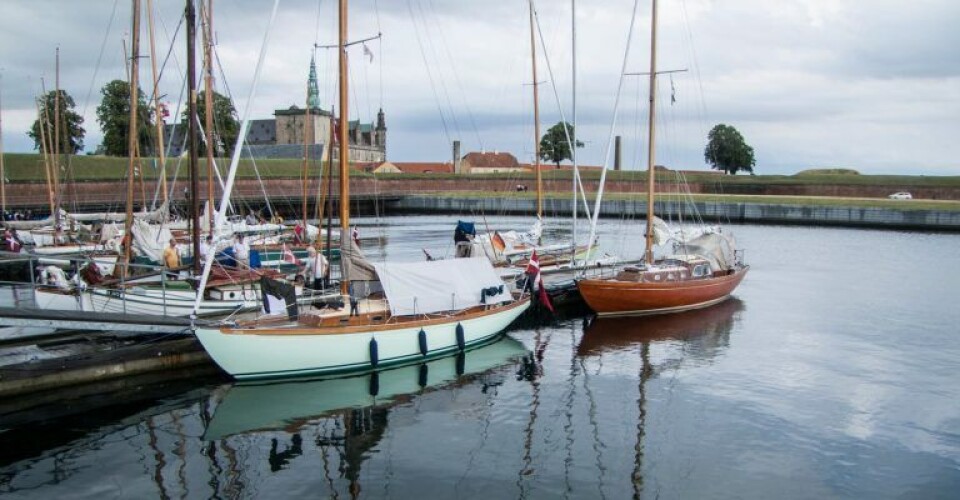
(707, 271)
(426, 309)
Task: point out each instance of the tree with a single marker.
(554, 146)
(226, 127)
(727, 150)
(113, 115)
(71, 132)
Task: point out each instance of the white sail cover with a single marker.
(717, 248)
(149, 239)
(440, 285)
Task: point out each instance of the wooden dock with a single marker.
(93, 321)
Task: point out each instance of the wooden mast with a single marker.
(307, 132)
(344, 142)
(45, 145)
(648, 251)
(132, 133)
(161, 151)
(536, 116)
(191, 16)
(3, 174)
(56, 142)
(208, 104)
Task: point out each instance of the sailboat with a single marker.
(705, 271)
(417, 310)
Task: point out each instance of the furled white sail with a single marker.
(440, 285)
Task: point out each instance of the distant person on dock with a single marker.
(171, 256)
(241, 252)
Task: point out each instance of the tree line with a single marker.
(113, 116)
(726, 148)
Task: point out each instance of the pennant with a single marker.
(367, 52)
(497, 242)
(673, 92)
(533, 273)
(288, 255)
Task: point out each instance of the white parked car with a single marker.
(902, 195)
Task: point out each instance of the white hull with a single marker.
(140, 301)
(247, 354)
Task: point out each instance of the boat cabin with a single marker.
(671, 268)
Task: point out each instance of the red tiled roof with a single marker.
(490, 160)
(424, 167)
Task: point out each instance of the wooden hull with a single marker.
(611, 297)
(284, 351)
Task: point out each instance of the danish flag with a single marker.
(533, 273)
(288, 255)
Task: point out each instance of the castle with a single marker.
(283, 135)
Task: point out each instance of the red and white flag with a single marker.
(288, 255)
(533, 273)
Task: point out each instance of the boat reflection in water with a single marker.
(287, 406)
(703, 331)
(695, 336)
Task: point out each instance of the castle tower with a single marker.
(313, 101)
(381, 131)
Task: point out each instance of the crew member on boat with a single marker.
(171, 256)
(206, 246)
(316, 269)
(241, 252)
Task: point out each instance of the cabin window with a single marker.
(656, 277)
(671, 277)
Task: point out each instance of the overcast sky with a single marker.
(867, 84)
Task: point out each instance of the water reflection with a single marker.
(700, 334)
(704, 332)
(345, 417)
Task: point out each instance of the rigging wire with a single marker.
(456, 75)
(441, 78)
(433, 87)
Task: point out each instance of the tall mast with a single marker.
(307, 132)
(156, 104)
(56, 141)
(132, 132)
(3, 174)
(45, 145)
(344, 143)
(208, 103)
(648, 252)
(536, 116)
(191, 16)
(573, 133)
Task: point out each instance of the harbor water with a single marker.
(834, 372)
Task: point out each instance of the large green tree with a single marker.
(727, 150)
(554, 146)
(113, 114)
(71, 131)
(226, 127)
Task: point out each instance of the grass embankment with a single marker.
(805, 201)
(29, 168)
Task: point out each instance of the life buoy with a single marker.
(374, 353)
(461, 343)
(422, 338)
